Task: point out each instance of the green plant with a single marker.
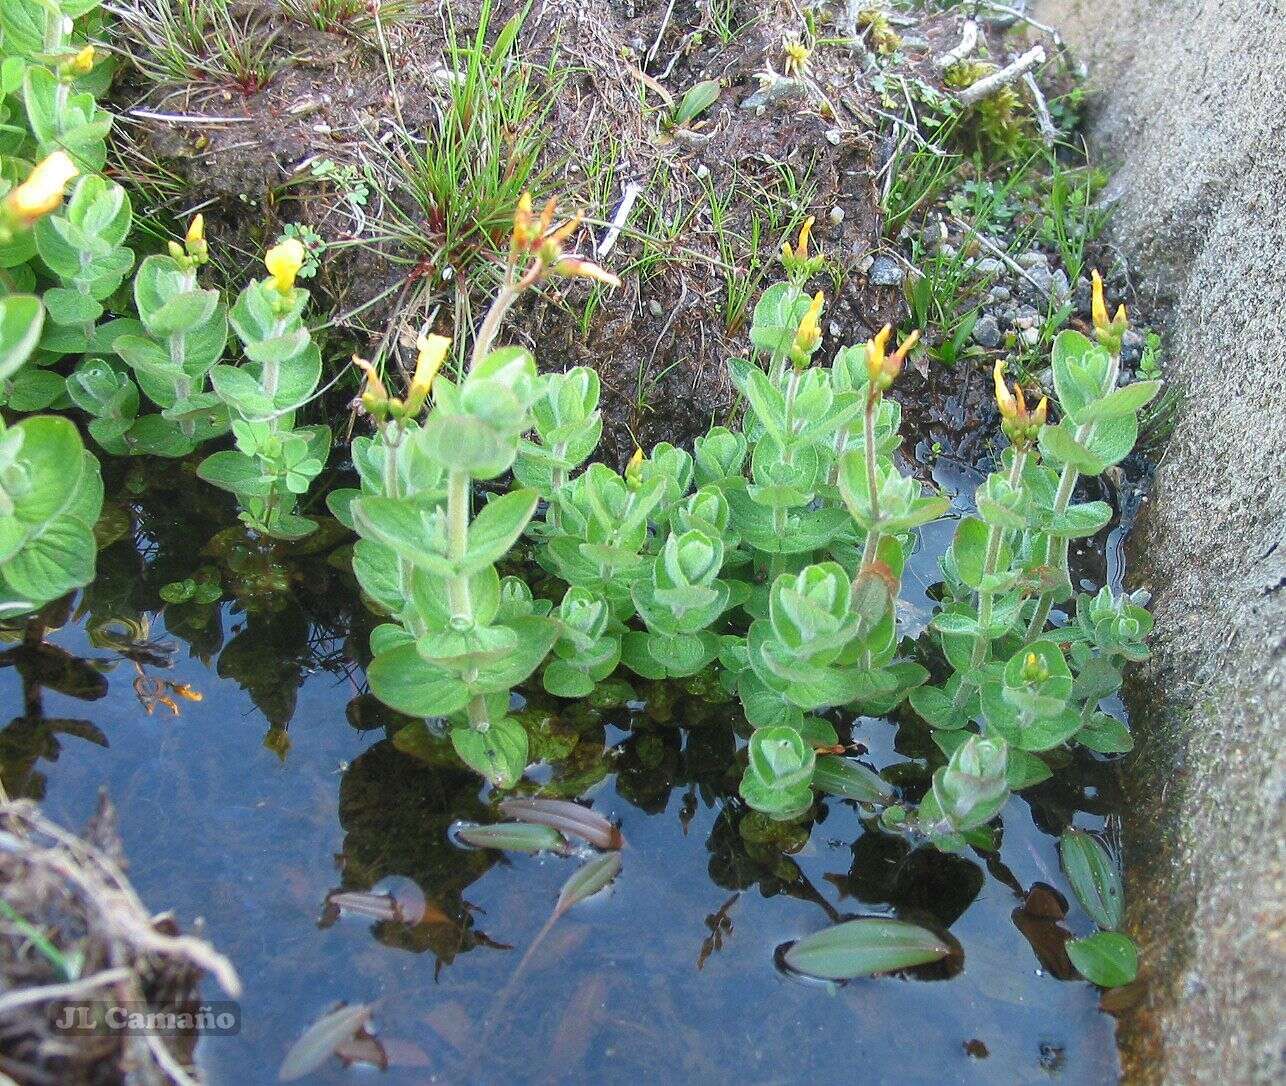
(771, 557)
(461, 637)
(274, 461)
(50, 489)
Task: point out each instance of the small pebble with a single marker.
(989, 265)
(986, 332)
(1032, 260)
(654, 307)
(836, 215)
(703, 171)
(886, 272)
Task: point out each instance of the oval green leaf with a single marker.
(1105, 958)
(588, 880)
(1094, 878)
(512, 837)
(865, 947)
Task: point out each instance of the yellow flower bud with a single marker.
(810, 329)
(882, 370)
(634, 469)
(1004, 398)
(1020, 426)
(175, 250)
(1108, 332)
(875, 348)
(42, 192)
(283, 263)
(801, 247)
(374, 395)
(83, 62)
(576, 267)
(524, 225)
(1097, 307)
(196, 229)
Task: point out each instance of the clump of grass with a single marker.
(465, 174)
(185, 41)
(356, 18)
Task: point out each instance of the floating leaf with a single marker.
(321, 1039)
(864, 947)
(588, 880)
(513, 837)
(1094, 878)
(851, 780)
(1106, 958)
(567, 817)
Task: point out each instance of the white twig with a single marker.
(75, 989)
(1048, 130)
(988, 85)
(632, 191)
(1000, 254)
(968, 43)
(185, 118)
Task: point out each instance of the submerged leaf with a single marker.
(513, 837)
(1094, 878)
(567, 817)
(588, 880)
(864, 947)
(321, 1039)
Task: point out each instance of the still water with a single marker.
(283, 785)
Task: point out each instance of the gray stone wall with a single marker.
(1190, 109)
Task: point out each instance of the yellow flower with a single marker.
(882, 371)
(875, 348)
(42, 192)
(797, 54)
(801, 247)
(1108, 332)
(1020, 426)
(83, 62)
(809, 334)
(196, 229)
(524, 231)
(283, 263)
(433, 352)
(1004, 398)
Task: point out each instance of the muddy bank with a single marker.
(1189, 101)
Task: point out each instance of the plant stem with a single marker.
(986, 600)
(490, 327)
(458, 594)
(872, 547)
(1063, 497)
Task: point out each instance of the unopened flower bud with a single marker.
(634, 469)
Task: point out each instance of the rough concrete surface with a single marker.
(1191, 109)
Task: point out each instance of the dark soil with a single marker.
(658, 343)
